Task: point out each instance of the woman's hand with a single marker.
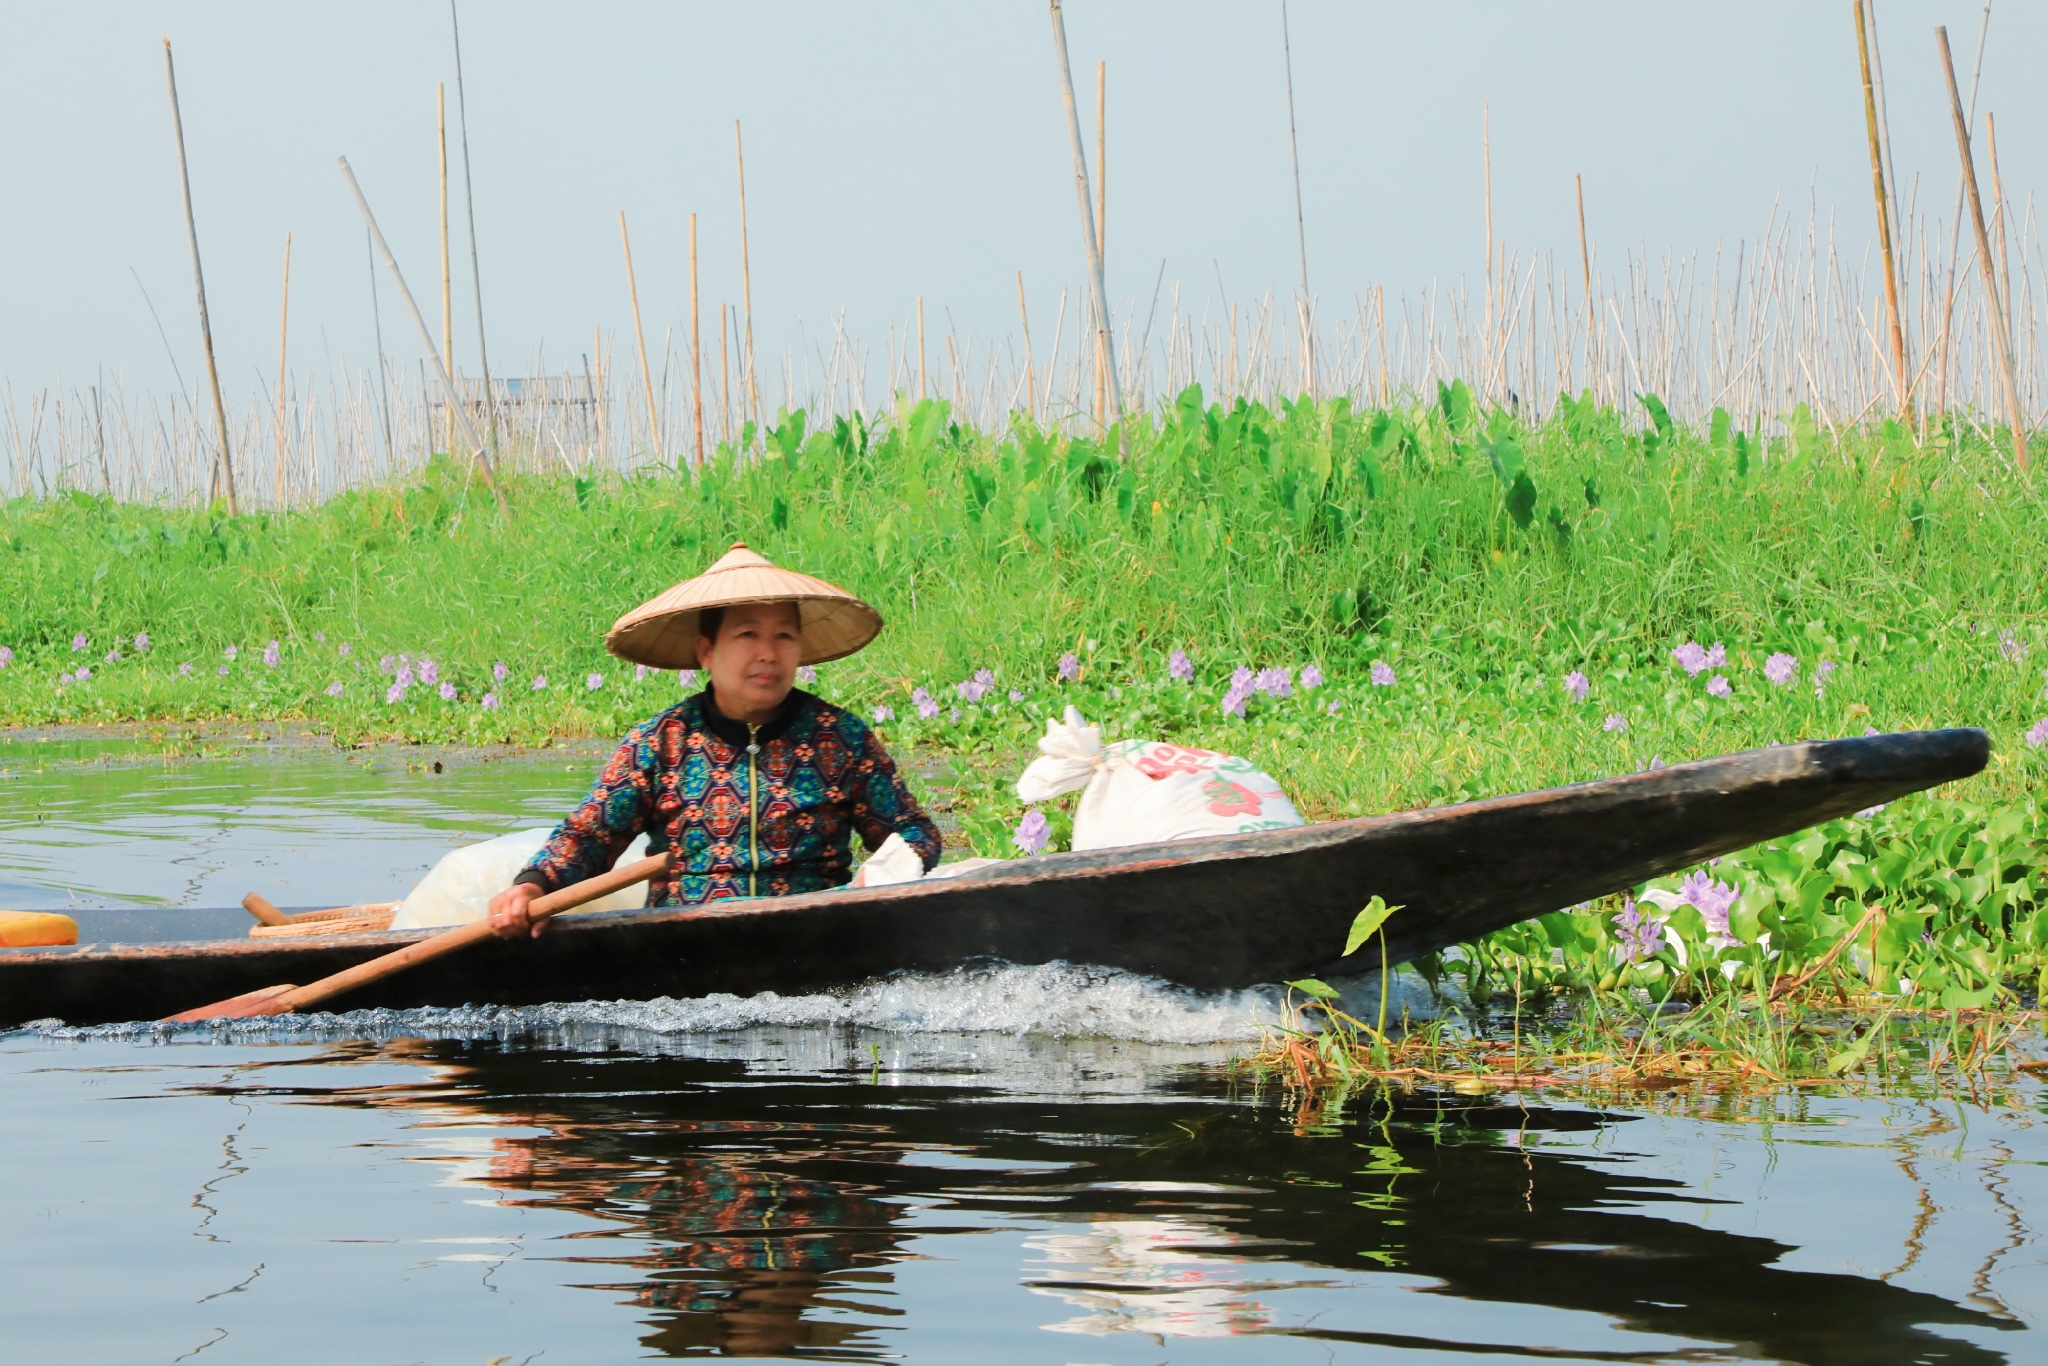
(508, 914)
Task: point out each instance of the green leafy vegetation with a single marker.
(1384, 609)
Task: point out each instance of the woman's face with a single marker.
(753, 661)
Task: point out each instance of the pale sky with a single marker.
(902, 149)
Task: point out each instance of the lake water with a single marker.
(1016, 1165)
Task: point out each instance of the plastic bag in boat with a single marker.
(459, 888)
(1147, 792)
(895, 861)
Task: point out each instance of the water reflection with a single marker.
(766, 1215)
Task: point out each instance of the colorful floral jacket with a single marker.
(766, 814)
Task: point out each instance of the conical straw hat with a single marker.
(662, 632)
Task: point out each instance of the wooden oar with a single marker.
(282, 1000)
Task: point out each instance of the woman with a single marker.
(756, 785)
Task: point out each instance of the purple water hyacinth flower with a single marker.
(404, 677)
(1179, 667)
(954, 716)
(114, 656)
(490, 701)
(639, 673)
(142, 642)
(977, 687)
(539, 684)
(1015, 697)
(1615, 723)
(1651, 765)
(592, 682)
(884, 714)
(1070, 667)
(2011, 646)
(1780, 669)
(1820, 676)
(807, 674)
(1241, 678)
(1334, 707)
(63, 679)
(498, 671)
(345, 650)
(1867, 812)
(1274, 682)
(79, 642)
(1578, 685)
(6, 656)
(429, 671)
(1713, 900)
(230, 653)
(1032, 832)
(1717, 656)
(1641, 936)
(447, 691)
(222, 671)
(1235, 699)
(272, 658)
(185, 669)
(2037, 735)
(84, 672)
(688, 679)
(387, 663)
(1381, 674)
(927, 707)
(394, 694)
(1312, 677)
(319, 638)
(1691, 657)
(1717, 686)
(334, 689)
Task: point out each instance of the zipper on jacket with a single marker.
(753, 810)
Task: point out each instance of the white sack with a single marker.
(1145, 792)
(459, 888)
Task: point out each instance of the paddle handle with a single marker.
(462, 936)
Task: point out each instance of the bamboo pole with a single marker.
(1093, 244)
(1586, 277)
(224, 471)
(284, 314)
(1303, 317)
(1102, 380)
(1998, 214)
(1030, 378)
(447, 292)
(2001, 340)
(696, 347)
(640, 337)
(476, 282)
(724, 378)
(419, 321)
(1486, 168)
(739, 154)
(602, 394)
(1901, 377)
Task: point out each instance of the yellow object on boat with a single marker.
(36, 929)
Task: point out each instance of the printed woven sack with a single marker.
(1149, 792)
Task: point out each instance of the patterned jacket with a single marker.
(766, 814)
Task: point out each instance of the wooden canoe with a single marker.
(1230, 911)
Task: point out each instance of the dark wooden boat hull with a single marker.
(1213, 913)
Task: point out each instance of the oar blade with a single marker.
(248, 1006)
